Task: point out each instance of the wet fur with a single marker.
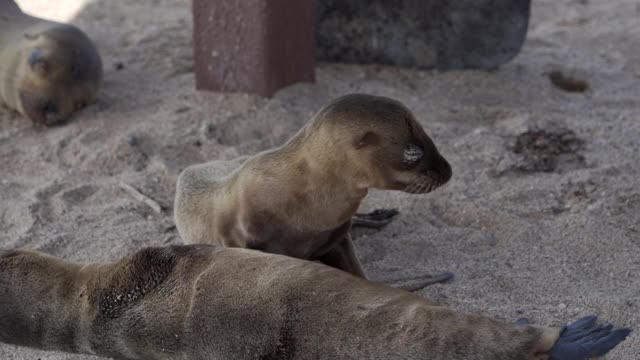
(199, 302)
(299, 199)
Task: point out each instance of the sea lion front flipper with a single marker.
(376, 219)
(422, 282)
(586, 339)
(343, 256)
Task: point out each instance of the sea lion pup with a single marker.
(299, 199)
(202, 302)
(48, 70)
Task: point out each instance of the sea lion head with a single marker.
(62, 73)
(386, 147)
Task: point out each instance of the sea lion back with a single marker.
(197, 189)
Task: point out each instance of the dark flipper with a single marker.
(586, 339)
(422, 282)
(375, 220)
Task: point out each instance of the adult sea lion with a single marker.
(202, 302)
(299, 199)
(48, 70)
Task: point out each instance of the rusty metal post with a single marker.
(255, 46)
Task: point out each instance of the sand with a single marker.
(541, 218)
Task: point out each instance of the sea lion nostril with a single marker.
(50, 108)
(437, 168)
(35, 56)
(444, 169)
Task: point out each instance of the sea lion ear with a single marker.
(370, 138)
(37, 61)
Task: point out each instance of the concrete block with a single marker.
(444, 34)
(254, 46)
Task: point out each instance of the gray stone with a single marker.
(444, 34)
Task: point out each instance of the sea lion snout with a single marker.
(431, 172)
(439, 168)
(40, 110)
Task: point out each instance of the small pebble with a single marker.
(568, 83)
(132, 140)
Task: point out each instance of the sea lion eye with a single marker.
(37, 61)
(35, 56)
(412, 154)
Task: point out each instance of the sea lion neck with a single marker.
(323, 162)
(321, 188)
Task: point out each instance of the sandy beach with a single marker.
(541, 219)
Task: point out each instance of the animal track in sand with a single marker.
(578, 194)
(15, 215)
(78, 194)
(625, 210)
(56, 199)
(128, 153)
(42, 209)
(254, 130)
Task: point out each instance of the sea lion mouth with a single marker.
(425, 184)
(39, 110)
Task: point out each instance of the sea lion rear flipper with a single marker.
(422, 282)
(376, 219)
(586, 339)
(343, 257)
